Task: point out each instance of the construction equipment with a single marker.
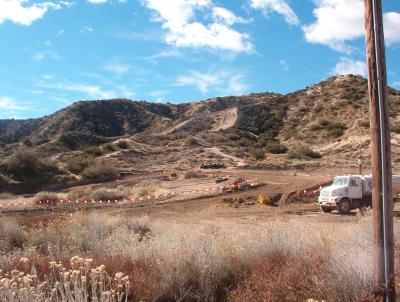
(351, 192)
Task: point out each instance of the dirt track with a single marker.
(210, 206)
(227, 119)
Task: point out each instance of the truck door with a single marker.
(355, 188)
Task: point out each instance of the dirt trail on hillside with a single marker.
(218, 151)
(176, 127)
(227, 120)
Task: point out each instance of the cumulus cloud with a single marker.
(178, 17)
(17, 11)
(277, 6)
(92, 91)
(284, 65)
(340, 21)
(392, 27)
(224, 15)
(221, 81)
(117, 68)
(349, 66)
(8, 103)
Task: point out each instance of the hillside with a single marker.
(326, 124)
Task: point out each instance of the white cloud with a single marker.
(202, 81)
(60, 32)
(392, 27)
(224, 15)
(396, 84)
(284, 65)
(40, 56)
(117, 68)
(87, 29)
(179, 19)
(92, 91)
(8, 103)
(17, 11)
(340, 21)
(97, 1)
(159, 94)
(125, 91)
(227, 82)
(349, 66)
(277, 6)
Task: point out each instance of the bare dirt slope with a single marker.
(226, 119)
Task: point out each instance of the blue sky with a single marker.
(55, 52)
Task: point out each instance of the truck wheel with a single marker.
(326, 210)
(344, 206)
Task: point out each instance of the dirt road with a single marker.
(226, 119)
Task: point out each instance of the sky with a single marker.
(56, 52)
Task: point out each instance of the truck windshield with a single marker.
(340, 181)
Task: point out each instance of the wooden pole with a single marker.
(382, 199)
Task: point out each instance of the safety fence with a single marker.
(149, 198)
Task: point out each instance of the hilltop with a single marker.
(325, 124)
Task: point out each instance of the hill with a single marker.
(326, 124)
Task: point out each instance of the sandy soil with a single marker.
(227, 119)
(182, 206)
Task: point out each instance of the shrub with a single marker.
(26, 165)
(258, 153)
(315, 127)
(12, 235)
(335, 132)
(108, 148)
(318, 108)
(277, 148)
(107, 194)
(46, 196)
(303, 152)
(27, 142)
(78, 164)
(191, 141)
(99, 169)
(122, 145)
(323, 122)
(68, 140)
(193, 174)
(93, 151)
(364, 124)
(395, 128)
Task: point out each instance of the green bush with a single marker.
(108, 148)
(77, 165)
(68, 140)
(27, 142)
(318, 108)
(395, 128)
(26, 165)
(258, 153)
(315, 127)
(93, 151)
(99, 169)
(335, 129)
(303, 153)
(277, 148)
(123, 145)
(191, 141)
(364, 124)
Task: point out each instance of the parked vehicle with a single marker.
(212, 166)
(351, 192)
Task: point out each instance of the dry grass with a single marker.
(211, 260)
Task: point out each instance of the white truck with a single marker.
(351, 192)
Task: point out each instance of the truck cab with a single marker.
(345, 194)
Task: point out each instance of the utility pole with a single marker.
(382, 199)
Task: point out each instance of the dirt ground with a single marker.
(207, 205)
